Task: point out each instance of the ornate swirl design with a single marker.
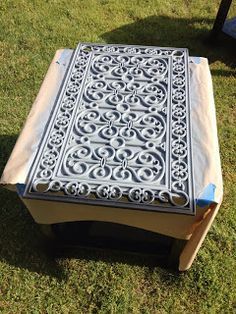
(109, 192)
(77, 189)
(120, 132)
(139, 195)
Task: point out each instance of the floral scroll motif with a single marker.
(121, 131)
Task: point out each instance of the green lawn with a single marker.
(31, 282)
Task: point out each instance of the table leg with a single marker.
(194, 243)
(175, 252)
(220, 18)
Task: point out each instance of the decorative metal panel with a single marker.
(119, 133)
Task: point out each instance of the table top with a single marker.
(119, 133)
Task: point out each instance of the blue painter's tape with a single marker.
(196, 60)
(207, 196)
(20, 189)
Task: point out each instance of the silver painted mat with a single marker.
(119, 134)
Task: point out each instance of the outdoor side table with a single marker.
(123, 134)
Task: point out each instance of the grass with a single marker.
(98, 282)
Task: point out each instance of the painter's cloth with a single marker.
(206, 160)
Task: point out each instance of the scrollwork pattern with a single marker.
(121, 129)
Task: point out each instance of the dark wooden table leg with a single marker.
(220, 18)
(176, 249)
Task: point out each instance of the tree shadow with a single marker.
(166, 31)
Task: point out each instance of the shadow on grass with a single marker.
(21, 242)
(165, 31)
(111, 242)
(23, 245)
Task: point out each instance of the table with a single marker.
(115, 142)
